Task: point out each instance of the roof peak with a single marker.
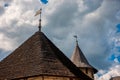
(79, 59)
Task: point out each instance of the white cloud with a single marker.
(6, 43)
(91, 20)
(16, 23)
(112, 72)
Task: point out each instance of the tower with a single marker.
(39, 59)
(81, 62)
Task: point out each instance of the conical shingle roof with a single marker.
(79, 59)
(38, 56)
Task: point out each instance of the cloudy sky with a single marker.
(95, 22)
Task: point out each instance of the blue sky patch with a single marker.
(112, 57)
(44, 1)
(118, 58)
(118, 28)
(118, 48)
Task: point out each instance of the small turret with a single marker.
(81, 62)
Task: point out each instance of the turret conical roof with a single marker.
(79, 59)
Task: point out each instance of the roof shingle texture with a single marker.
(38, 56)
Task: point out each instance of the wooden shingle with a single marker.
(38, 56)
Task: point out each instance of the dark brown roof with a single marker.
(38, 56)
(79, 59)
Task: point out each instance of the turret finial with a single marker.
(75, 36)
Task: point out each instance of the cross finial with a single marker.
(37, 13)
(75, 36)
(40, 20)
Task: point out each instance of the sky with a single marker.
(95, 22)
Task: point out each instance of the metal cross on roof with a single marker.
(37, 13)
